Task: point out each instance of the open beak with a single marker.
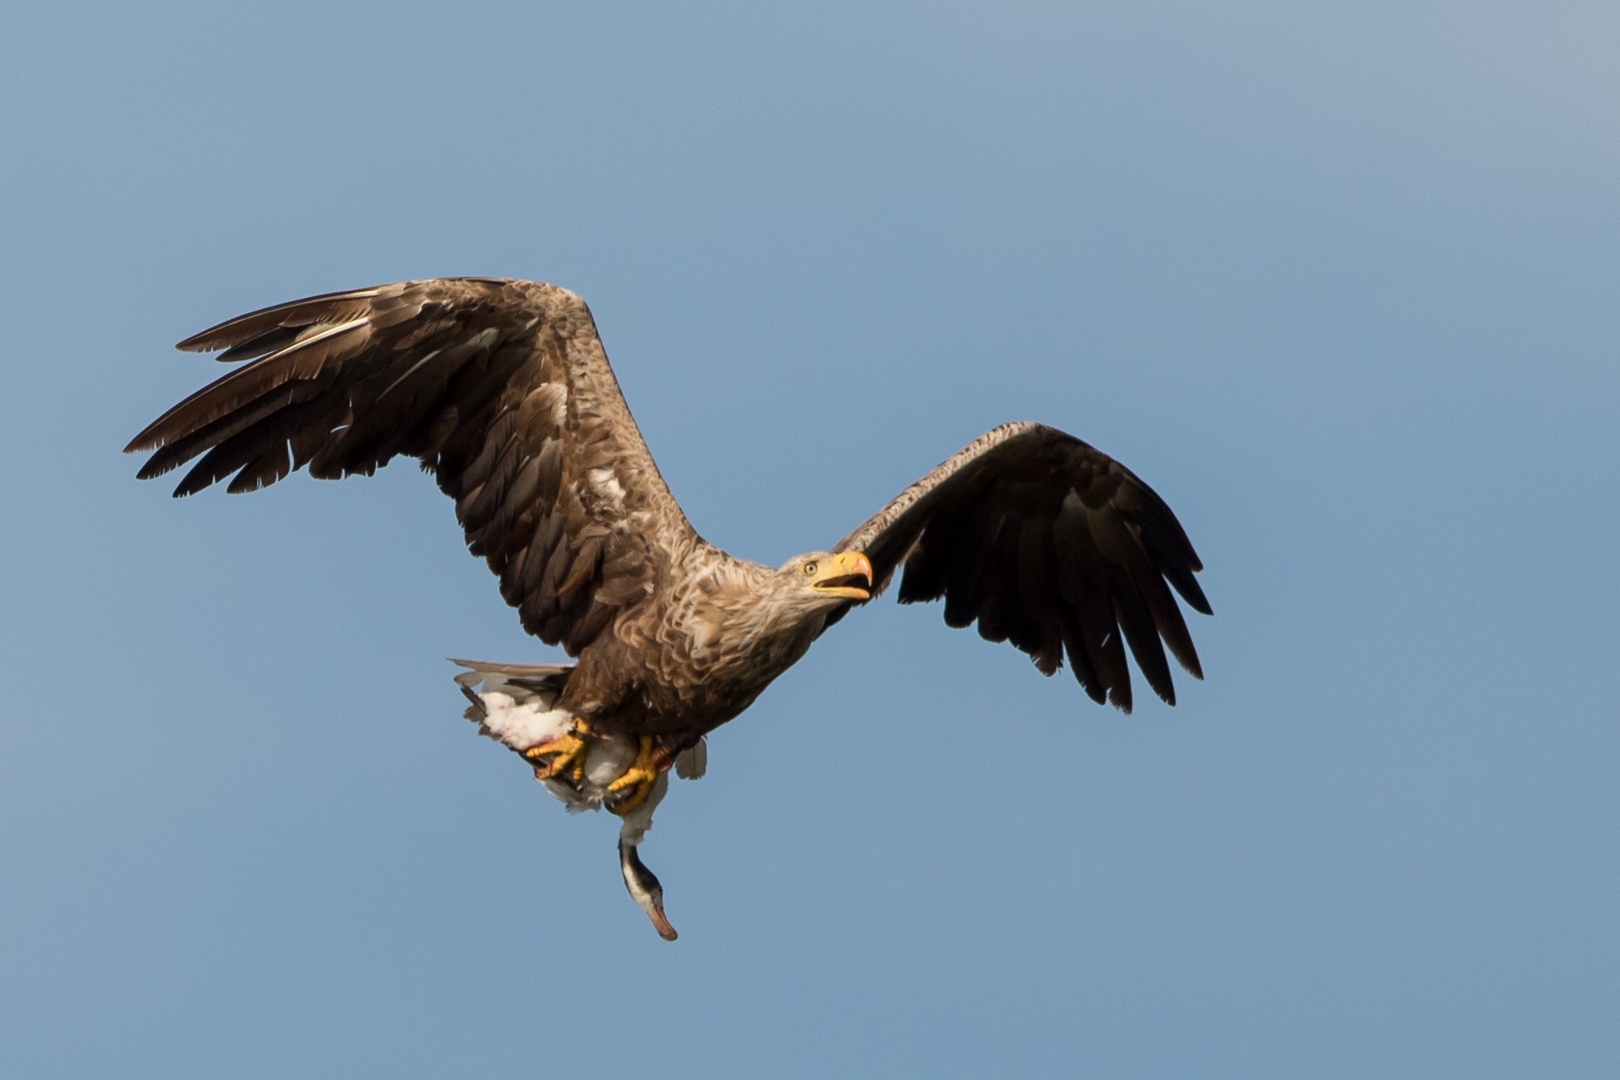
(848, 575)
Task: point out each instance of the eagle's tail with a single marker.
(515, 704)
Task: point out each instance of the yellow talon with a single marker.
(640, 777)
(567, 752)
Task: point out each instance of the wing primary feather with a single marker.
(264, 470)
(301, 360)
(1177, 571)
(967, 562)
(1079, 658)
(260, 344)
(328, 307)
(1167, 619)
(1132, 616)
(1082, 581)
(996, 587)
(224, 459)
(172, 455)
(1038, 596)
(924, 576)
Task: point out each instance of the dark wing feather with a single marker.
(1052, 545)
(504, 392)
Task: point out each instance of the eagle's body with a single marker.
(503, 391)
(680, 666)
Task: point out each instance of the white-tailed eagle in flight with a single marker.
(503, 391)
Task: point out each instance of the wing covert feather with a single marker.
(501, 388)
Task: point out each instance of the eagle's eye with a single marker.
(809, 568)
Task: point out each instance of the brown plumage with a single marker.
(1052, 545)
(503, 391)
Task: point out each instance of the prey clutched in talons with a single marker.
(585, 764)
(637, 781)
(562, 756)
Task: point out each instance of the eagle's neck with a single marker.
(737, 625)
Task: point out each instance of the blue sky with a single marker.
(1339, 281)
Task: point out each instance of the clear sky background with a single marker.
(1341, 281)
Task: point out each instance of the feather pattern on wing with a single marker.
(1049, 544)
(501, 388)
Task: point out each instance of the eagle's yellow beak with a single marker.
(848, 575)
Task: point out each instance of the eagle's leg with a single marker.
(638, 780)
(566, 751)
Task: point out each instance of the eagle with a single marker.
(503, 391)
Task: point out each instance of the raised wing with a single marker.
(1052, 545)
(504, 392)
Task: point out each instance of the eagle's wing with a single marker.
(504, 392)
(1052, 545)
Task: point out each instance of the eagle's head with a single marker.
(821, 579)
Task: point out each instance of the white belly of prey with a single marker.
(523, 718)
